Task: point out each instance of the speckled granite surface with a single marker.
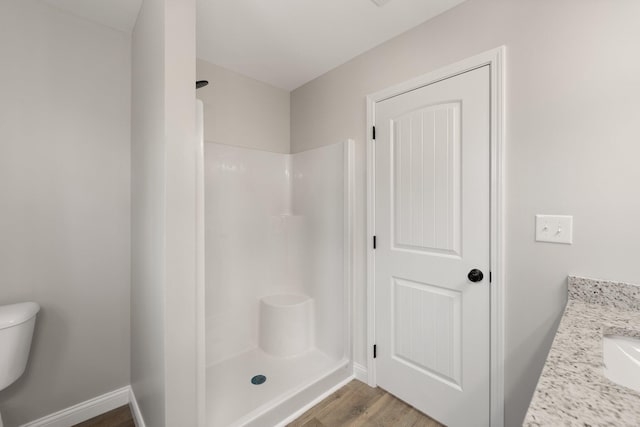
(572, 390)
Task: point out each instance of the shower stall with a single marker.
(277, 280)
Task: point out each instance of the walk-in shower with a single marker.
(277, 252)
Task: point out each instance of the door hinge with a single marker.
(374, 132)
(490, 278)
(375, 351)
(374, 242)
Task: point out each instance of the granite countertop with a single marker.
(572, 389)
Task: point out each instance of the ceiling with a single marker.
(285, 43)
(289, 42)
(118, 14)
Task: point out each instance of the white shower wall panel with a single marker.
(318, 192)
(274, 224)
(247, 193)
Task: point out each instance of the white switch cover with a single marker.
(554, 228)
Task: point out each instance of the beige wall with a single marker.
(163, 280)
(64, 202)
(244, 112)
(573, 96)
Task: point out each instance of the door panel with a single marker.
(432, 213)
(426, 188)
(426, 329)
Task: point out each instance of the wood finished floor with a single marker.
(355, 404)
(119, 417)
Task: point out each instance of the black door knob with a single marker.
(475, 275)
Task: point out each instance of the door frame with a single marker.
(495, 58)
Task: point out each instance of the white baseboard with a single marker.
(135, 409)
(360, 372)
(83, 411)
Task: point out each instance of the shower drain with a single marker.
(258, 379)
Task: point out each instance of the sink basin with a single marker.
(622, 360)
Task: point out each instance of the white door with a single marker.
(432, 212)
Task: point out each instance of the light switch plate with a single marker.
(554, 228)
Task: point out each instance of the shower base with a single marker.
(291, 383)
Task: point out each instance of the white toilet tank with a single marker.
(16, 329)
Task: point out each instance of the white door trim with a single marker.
(349, 242)
(495, 59)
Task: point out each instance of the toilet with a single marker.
(16, 329)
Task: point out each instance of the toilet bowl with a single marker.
(16, 330)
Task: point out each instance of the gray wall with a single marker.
(573, 96)
(181, 234)
(232, 100)
(64, 202)
(163, 234)
(147, 213)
